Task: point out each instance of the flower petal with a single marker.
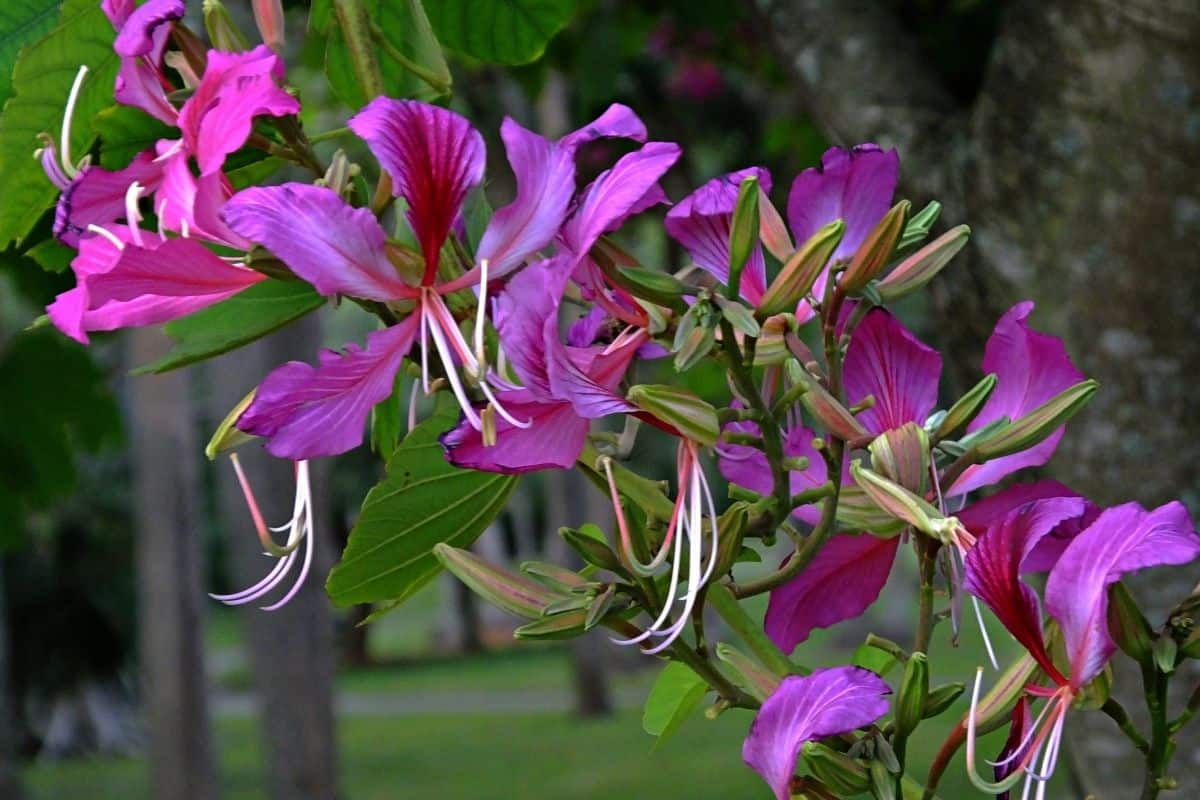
(844, 579)
(887, 361)
(174, 268)
(702, 221)
(521, 314)
(97, 196)
(982, 514)
(617, 122)
(554, 439)
(1123, 539)
(141, 30)
(854, 185)
(434, 156)
(747, 466)
(826, 703)
(308, 412)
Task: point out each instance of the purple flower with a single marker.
(826, 703)
(142, 36)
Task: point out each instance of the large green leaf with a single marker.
(41, 82)
(422, 501)
(676, 693)
(124, 132)
(241, 319)
(500, 31)
(21, 22)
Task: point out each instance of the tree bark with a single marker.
(291, 650)
(1077, 168)
(169, 562)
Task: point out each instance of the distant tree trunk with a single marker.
(170, 592)
(1077, 167)
(10, 778)
(291, 650)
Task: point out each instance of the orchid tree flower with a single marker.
(1119, 541)
(434, 158)
(829, 702)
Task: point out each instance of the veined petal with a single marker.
(337, 248)
(826, 703)
(142, 31)
(982, 514)
(554, 439)
(994, 568)
(190, 205)
(617, 122)
(887, 361)
(308, 411)
(521, 314)
(176, 268)
(1030, 367)
(97, 196)
(585, 377)
(843, 580)
(434, 157)
(702, 221)
(747, 466)
(854, 185)
(1123, 539)
(235, 88)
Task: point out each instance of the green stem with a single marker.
(435, 82)
(750, 632)
(1193, 705)
(1155, 684)
(1119, 715)
(324, 136)
(356, 28)
(927, 551)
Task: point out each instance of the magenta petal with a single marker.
(434, 156)
(97, 196)
(618, 193)
(587, 377)
(1030, 367)
(826, 703)
(1123, 539)
(617, 122)
(139, 29)
(521, 314)
(174, 268)
(844, 579)
(982, 514)
(335, 247)
(545, 175)
(235, 88)
(701, 222)
(185, 203)
(854, 185)
(887, 361)
(554, 439)
(308, 412)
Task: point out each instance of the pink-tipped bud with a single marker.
(877, 250)
(268, 16)
(506, 590)
(898, 501)
(902, 454)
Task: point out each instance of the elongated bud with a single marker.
(693, 418)
(1128, 625)
(876, 250)
(898, 501)
(222, 30)
(647, 284)
(228, 436)
(883, 783)
(922, 266)
(914, 693)
(566, 625)
(598, 609)
(1165, 651)
(268, 16)
(919, 225)
(902, 454)
(942, 698)
(845, 775)
(731, 528)
(592, 547)
(738, 316)
(800, 271)
(506, 590)
(857, 511)
(743, 232)
(834, 416)
(1037, 425)
(771, 347)
(771, 228)
(965, 408)
(748, 674)
(559, 579)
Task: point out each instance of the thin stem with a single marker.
(1155, 684)
(356, 28)
(333, 133)
(1193, 705)
(749, 631)
(1119, 715)
(927, 552)
(956, 469)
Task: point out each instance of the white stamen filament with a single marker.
(443, 349)
(162, 207)
(481, 319)
(412, 406)
(107, 234)
(72, 100)
(132, 215)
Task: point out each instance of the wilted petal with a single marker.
(747, 466)
(307, 411)
(702, 221)
(1030, 367)
(235, 88)
(554, 439)
(97, 196)
(843, 580)
(1123, 539)
(434, 157)
(617, 122)
(982, 514)
(887, 361)
(854, 185)
(826, 703)
(995, 564)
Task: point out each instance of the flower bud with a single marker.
(592, 547)
(268, 16)
(228, 436)
(772, 347)
(566, 625)
(559, 579)
(222, 30)
(743, 232)
(600, 606)
(919, 225)
(731, 528)
(914, 692)
(898, 501)
(1165, 651)
(965, 408)
(678, 408)
(646, 284)
(902, 454)
(845, 775)
(883, 782)
(834, 416)
(771, 228)
(738, 316)
(922, 266)
(942, 698)
(857, 511)
(801, 270)
(1128, 625)
(506, 590)
(1037, 425)
(748, 674)
(876, 250)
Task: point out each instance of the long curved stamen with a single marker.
(160, 213)
(500, 409)
(72, 99)
(443, 349)
(695, 531)
(481, 317)
(132, 215)
(107, 234)
(412, 406)
(991, 787)
(631, 560)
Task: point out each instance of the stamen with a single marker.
(72, 100)
(162, 207)
(107, 234)
(495, 403)
(48, 155)
(424, 347)
(456, 386)
(412, 406)
(481, 318)
(132, 215)
(987, 640)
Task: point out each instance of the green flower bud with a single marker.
(505, 590)
(922, 266)
(857, 511)
(876, 250)
(771, 228)
(1037, 425)
(748, 674)
(914, 692)
(743, 232)
(1128, 625)
(693, 418)
(772, 345)
(592, 547)
(801, 270)
(942, 698)
(657, 287)
(883, 782)
(898, 501)
(902, 454)
(965, 408)
(919, 225)
(731, 528)
(222, 30)
(834, 416)
(566, 625)
(228, 436)
(843, 774)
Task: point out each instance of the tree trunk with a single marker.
(292, 649)
(1078, 169)
(169, 562)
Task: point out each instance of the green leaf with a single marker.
(241, 319)
(124, 132)
(676, 693)
(387, 419)
(878, 661)
(500, 31)
(41, 82)
(21, 22)
(422, 501)
(51, 255)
